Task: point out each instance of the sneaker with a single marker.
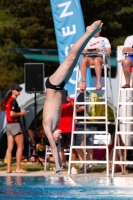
(88, 169)
(81, 170)
(58, 172)
(74, 170)
(88, 166)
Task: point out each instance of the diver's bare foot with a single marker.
(83, 85)
(96, 26)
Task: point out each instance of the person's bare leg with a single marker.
(32, 159)
(10, 141)
(19, 139)
(126, 64)
(74, 157)
(62, 154)
(86, 62)
(98, 70)
(65, 69)
(89, 154)
(80, 155)
(31, 135)
(110, 159)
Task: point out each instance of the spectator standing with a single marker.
(13, 127)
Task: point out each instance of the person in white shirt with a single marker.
(94, 45)
(128, 61)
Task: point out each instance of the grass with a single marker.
(27, 166)
(37, 167)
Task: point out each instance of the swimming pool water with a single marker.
(63, 188)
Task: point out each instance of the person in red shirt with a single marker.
(65, 125)
(13, 127)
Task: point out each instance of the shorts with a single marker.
(54, 87)
(130, 56)
(89, 137)
(13, 129)
(93, 56)
(65, 140)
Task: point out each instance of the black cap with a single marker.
(16, 87)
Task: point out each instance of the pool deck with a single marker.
(64, 174)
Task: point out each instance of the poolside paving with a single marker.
(64, 174)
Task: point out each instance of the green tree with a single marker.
(117, 17)
(23, 24)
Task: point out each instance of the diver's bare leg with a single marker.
(64, 71)
(52, 106)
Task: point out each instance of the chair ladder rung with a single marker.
(88, 117)
(91, 103)
(87, 132)
(123, 162)
(93, 88)
(88, 147)
(125, 103)
(125, 132)
(130, 118)
(124, 147)
(88, 161)
(125, 122)
(94, 122)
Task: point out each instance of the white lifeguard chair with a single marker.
(100, 120)
(124, 119)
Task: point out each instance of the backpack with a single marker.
(97, 109)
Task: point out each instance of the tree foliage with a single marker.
(117, 17)
(23, 24)
(29, 24)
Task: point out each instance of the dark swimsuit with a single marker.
(54, 87)
(95, 55)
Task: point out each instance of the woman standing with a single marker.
(13, 127)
